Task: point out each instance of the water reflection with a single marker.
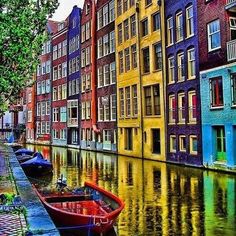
(160, 199)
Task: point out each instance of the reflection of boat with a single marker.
(88, 207)
(37, 165)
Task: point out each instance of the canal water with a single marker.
(160, 199)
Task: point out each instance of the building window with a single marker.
(135, 100)
(112, 42)
(120, 34)
(182, 143)
(148, 101)
(189, 22)
(156, 22)
(100, 109)
(119, 7)
(192, 109)
(157, 57)
(180, 64)
(134, 56)
(193, 144)
(144, 27)
(216, 87)
(125, 5)
(171, 70)
(156, 141)
(126, 29)
(146, 60)
(54, 94)
(128, 140)
(233, 84)
(105, 15)
(55, 114)
(113, 72)
(172, 143)
(191, 64)
(113, 106)
(213, 32)
(63, 114)
(179, 27)
(88, 110)
(172, 108)
(133, 25)
(106, 73)
(181, 107)
(83, 112)
(127, 60)
(121, 65)
(112, 10)
(128, 101)
(107, 135)
(122, 102)
(170, 31)
(152, 100)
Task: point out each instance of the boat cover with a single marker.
(37, 160)
(23, 151)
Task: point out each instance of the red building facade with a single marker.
(106, 75)
(43, 90)
(88, 94)
(59, 85)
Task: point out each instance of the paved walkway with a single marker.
(12, 222)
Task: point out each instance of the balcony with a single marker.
(231, 50)
(230, 5)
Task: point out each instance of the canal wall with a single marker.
(38, 220)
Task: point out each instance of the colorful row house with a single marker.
(59, 85)
(182, 84)
(73, 79)
(43, 86)
(217, 43)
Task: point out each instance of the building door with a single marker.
(156, 144)
(220, 144)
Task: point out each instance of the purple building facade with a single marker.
(183, 112)
(73, 81)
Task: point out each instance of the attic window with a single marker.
(87, 9)
(60, 26)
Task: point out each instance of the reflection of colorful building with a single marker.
(219, 204)
(183, 114)
(42, 105)
(59, 85)
(217, 35)
(106, 76)
(73, 81)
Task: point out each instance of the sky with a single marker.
(65, 8)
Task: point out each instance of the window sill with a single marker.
(152, 116)
(172, 151)
(146, 6)
(180, 40)
(181, 123)
(233, 106)
(192, 78)
(170, 83)
(146, 73)
(169, 45)
(157, 70)
(192, 123)
(193, 153)
(190, 36)
(217, 108)
(171, 123)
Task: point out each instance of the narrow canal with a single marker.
(160, 199)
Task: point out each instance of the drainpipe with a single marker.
(140, 77)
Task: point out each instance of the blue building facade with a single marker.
(218, 83)
(183, 113)
(73, 82)
(219, 120)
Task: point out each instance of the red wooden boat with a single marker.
(89, 206)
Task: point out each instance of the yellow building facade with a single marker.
(139, 60)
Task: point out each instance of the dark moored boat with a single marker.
(91, 206)
(23, 155)
(37, 165)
